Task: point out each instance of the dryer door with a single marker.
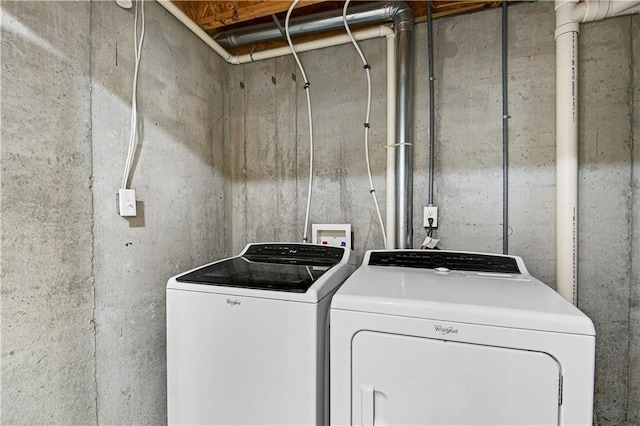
(404, 380)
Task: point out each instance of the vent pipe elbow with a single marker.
(597, 10)
(565, 20)
(401, 15)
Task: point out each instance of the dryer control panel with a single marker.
(455, 261)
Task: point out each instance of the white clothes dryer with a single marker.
(247, 336)
(430, 337)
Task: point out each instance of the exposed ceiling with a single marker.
(214, 16)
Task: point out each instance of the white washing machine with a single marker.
(247, 336)
(429, 337)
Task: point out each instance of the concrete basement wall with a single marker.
(48, 343)
(267, 130)
(83, 308)
(606, 209)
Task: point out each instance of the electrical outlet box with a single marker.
(126, 202)
(337, 235)
(431, 212)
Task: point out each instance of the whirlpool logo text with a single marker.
(445, 330)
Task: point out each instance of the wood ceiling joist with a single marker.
(212, 14)
(442, 8)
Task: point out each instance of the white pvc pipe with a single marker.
(569, 13)
(380, 31)
(567, 159)
(596, 10)
(175, 11)
(391, 141)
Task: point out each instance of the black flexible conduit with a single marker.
(505, 135)
(432, 102)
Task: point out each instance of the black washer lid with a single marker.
(276, 267)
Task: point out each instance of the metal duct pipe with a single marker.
(404, 129)
(370, 13)
(401, 15)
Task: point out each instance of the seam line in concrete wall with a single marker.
(631, 219)
(92, 215)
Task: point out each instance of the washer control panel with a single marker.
(440, 260)
(294, 253)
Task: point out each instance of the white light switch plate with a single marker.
(126, 202)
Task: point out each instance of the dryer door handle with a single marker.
(368, 405)
(373, 406)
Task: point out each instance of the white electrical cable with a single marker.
(367, 68)
(306, 87)
(137, 48)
